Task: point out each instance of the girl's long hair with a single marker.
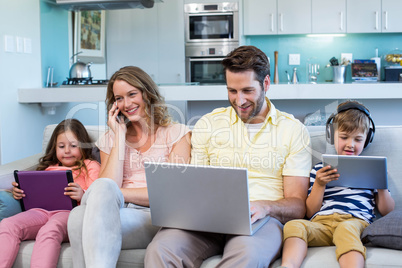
(85, 144)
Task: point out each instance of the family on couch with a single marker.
(114, 212)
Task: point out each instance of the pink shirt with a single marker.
(133, 167)
(84, 179)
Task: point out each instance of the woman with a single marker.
(114, 213)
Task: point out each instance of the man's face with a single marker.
(247, 97)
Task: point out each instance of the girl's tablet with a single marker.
(45, 189)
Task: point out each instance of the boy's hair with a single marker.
(352, 119)
(247, 58)
(155, 107)
(85, 144)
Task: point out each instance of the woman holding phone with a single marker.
(114, 212)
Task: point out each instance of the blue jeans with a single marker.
(103, 225)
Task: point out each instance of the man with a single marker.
(273, 146)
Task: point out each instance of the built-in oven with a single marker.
(204, 63)
(212, 31)
(212, 22)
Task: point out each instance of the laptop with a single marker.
(45, 189)
(365, 172)
(200, 198)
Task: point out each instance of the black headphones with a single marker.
(349, 106)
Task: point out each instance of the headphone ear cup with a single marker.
(369, 138)
(330, 132)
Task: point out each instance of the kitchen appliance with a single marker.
(393, 73)
(84, 82)
(212, 22)
(211, 32)
(204, 63)
(78, 5)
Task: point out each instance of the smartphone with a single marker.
(120, 117)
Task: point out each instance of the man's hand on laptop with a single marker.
(257, 211)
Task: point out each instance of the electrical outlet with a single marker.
(294, 59)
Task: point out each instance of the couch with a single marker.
(387, 142)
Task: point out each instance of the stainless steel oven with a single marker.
(212, 22)
(204, 63)
(212, 31)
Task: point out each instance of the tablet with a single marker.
(45, 189)
(365, 172)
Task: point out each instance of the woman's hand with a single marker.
(74, 190)
(115, 123)
(17, 192)
(325, 175)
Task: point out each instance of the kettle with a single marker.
(80, 70)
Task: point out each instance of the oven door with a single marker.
(212, 27)
(205, 70)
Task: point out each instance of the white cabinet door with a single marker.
(171, 62)
(328, 16)
(363, 16)
(294, 16)
(391, 16)
(132, 39)
(152, 39)
(260, 17)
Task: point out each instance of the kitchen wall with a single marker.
(20, 125)
(321, 49)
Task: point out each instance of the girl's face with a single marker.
(67, 149)
(129, 100)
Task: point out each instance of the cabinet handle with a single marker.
(272, 22)
(386, 20)
(341, 22)
(281, 21)
(376, 20)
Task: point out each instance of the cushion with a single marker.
(8, 205)
(385, 232)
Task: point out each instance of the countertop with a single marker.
(381, 90)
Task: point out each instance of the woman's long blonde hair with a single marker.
(155, 107)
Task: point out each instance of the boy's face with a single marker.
(349, 143)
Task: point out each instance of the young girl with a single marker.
(68, 148)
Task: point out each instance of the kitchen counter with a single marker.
(382, 90)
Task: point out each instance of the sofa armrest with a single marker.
(7, 170)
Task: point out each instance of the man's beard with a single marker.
(257, 109)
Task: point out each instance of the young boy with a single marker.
(338, 215)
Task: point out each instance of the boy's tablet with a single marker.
(45, 189)
(366, 172)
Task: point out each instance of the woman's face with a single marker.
(129, 100)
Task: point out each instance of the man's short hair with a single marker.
(247, 58)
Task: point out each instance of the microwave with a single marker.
(211, 22)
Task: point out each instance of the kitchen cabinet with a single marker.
(152, 39)
(260, 17)
(391, 16)
(267, 17)
(363, 16)
(294, 16)
(328, 16)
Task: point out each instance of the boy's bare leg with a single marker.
(294, 252)
(352, 259)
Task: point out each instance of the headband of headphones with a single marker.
(345, 107)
